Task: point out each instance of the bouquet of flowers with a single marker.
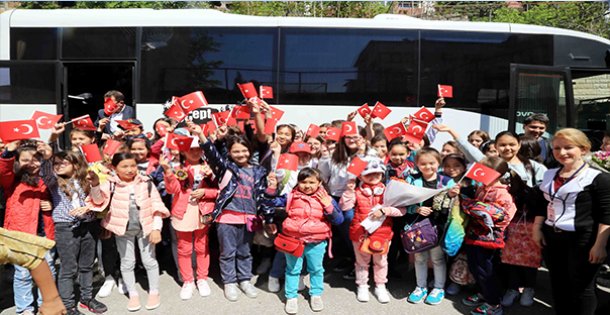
(600, 160)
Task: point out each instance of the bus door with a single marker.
(592, 102)
(540, 89)
(86, 82)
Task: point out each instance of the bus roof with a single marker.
(209, 17)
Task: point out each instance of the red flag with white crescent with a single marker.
(45, 120)
(18, 130)
(416, 131)
(192, 101)
(482, 173)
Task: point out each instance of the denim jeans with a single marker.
(314, 253)
(23, 285)
(278, 268)
(76, 249)
(235, 257)
(483, 264)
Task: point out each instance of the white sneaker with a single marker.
(527, 297)
(509, 297)
(186, 293)
(273, 284)
(301, 283)
(382, 294)
(106, 288)
(203, 287)
(121, 287)
(292, 306)
(248, 289)
(363, 293)
(264, 266)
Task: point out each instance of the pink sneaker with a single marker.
(134, 303)
(154, 300)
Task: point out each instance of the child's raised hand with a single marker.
(154, 237)
(440, 102)
(44, 149)
(454, 191)
(442, 128)
(276, 148)
(272, 180)
(59, 128)
(12, 146)
(79, 211)
(164, 162)
(93, 179)
(352, 115)
(198, 193)
(45, 205)
(206, 170)
(425, 211)
(193, 128)
(323, 197)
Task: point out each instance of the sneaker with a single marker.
(418, 295)
(231, 292)
(71, 311)
(264, 266)
(486, 309)
(106, 288)
(248, 289)
(292, 306)
(186, 293)
(363, 293)
(316, 303)
(473, 300)
(93, 306)
(350, 275)
(435, 297)
(301, 283)
(603, 279)
(382, 294)
(273, 284)
(121, 287)
(154, 301)
(453, 289)
(134, 303)
(203, 287)
(527, 297)
(509, 297)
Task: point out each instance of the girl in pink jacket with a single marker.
(135, 215)
(192, 205)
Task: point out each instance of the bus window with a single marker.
(33, 43)
(179, 60)
(348, 66)
(98, 43)
(592, 102)
(27, 83)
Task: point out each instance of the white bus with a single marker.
(320, 68)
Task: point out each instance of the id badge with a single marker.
(550, 212)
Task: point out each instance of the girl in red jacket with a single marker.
(26, 195)
(366, 201)
(192, 205)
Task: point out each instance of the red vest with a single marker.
(305, 219)
(365, 200)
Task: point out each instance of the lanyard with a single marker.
(553, 195)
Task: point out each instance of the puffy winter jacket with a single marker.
(151, 207)
(228, 173)
(182, 194)
(23, 202)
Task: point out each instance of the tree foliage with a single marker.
(356, 9)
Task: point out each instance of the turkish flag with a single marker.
(240, 112)
(91, 152)
(349, 128)
(45, 120)
(288, 161)
(424, 114)
(178, 142)
(313, 131)
(380, 111)
(175, 112)
(276, 113)
(416, 131)
(364, 110)
(445, 91)
(247, 90)
(265, 91)
(192, 101)
(18, 130)
(208, 128)
(111, 147)
(482, 173)
(270, 124)
(221, 118)
(333, 133)
(126, 124)
(356, 166)
(394, 131)
(84, 123)
(110, 106)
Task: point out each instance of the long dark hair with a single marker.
(80, 173)
(22, 174)
(342, 153)
(520, 156)
(119, 157)
(235, 139)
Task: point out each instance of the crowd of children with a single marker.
(233, 181)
